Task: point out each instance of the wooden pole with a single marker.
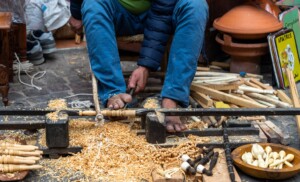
(9, 168)
(294, 94)
(215, 94)
(77, 38)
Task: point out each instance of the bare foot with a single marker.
(118, 101)
(173, 123)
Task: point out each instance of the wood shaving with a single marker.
(151, 103)
(58, 105)
(114, 153)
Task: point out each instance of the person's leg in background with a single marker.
(189, 20)
(102, 19)
(39, 40)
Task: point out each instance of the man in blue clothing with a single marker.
(103, 20)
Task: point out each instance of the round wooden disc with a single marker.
(16, 176)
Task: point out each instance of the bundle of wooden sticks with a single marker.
(15, 157)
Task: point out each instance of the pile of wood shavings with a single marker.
(57, 104)
(114, 153)
(151, 103)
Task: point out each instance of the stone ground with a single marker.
(68, 76)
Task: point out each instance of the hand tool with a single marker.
(131, 92)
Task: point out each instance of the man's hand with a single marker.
(76, 25)
(138, 79)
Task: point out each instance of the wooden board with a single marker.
(229, 86)
(202, 98)
(223, 65)
(272, 136)
(283, 97)
(295, 96)
(215, 94)
(261, 84)
(262, 135)
(220, 172)
(284, 138)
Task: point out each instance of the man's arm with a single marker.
(157, 32)
(75, 8)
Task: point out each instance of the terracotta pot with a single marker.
(244, 57)
(268, 6)
(247, 22)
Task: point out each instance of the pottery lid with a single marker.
(247, 19)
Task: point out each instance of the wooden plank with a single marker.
(261, 84)
(283, 97)
(228, 86)
(255, 90)
(203, 68)
(272, 136)
(248, 83)
(262, 135)
(215, 94)
(221, 64)
(268, 99)
(220, 172)
(295, 96)
(202, 98)
(284, 138)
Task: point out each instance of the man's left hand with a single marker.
(138, 79)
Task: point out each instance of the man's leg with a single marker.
(189, 20)
(102, 19)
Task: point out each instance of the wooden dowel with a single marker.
(260, 84)
(294, 94)
(215, 94)
(265, 103)
(267, 99)
(9, 168)
(220, 64)
(77, 38)
(29, 158)
(252, 118)
(7, 159)
(32, 147)
(255, 90)
(203, 68)
(20, 153)
(252, 85)
(283, 97)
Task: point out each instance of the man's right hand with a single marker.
(76, 25)
(138, 79)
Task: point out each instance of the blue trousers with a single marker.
(105, 19)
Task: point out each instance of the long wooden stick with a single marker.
(7, 159)
(268, 99)
(9, 168)
(294, 94)
(283, 97)
(20, 153)
(255, 90)
(215, 94)
(31, 147)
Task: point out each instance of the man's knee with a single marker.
(196, 8)
(94, 7)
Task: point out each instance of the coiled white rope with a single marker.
(37, 75)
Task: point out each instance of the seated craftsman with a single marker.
(103, 20)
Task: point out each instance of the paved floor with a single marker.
(68, 76)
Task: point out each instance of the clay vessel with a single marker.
(244, 57)
(247, 22)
